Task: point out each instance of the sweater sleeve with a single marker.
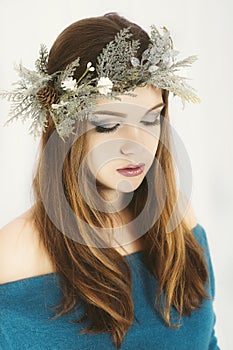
(201, 237)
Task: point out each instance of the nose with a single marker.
(131, 147)
(132, 135)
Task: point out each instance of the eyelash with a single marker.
(100, 128)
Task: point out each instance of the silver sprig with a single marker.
(118, 70)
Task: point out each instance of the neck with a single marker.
(116, 201)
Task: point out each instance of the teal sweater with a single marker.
(25, 313)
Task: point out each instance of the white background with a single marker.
(200, 27)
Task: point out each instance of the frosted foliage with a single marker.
(118, 71)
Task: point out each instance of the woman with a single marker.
(104, 259)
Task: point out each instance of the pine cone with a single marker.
(47, 96)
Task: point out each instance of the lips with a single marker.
(133, 166)
(132, 170)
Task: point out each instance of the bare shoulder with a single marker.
(188, 211)
(21, 254)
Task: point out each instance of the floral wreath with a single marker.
(118, 71)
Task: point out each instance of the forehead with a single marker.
(146, 98)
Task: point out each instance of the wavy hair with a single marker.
(100, 278)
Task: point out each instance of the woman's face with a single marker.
(124, 134)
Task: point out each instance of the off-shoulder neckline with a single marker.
(56, 274)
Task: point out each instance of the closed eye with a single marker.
(100, 128)
(155, 122)
(103, 127)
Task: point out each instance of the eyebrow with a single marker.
(123, 115)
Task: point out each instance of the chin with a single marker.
(125, 186)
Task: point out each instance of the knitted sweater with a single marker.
(25, 315)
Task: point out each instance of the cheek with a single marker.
(104, 148)
(155, 145)
(151, 140)
(100, 151)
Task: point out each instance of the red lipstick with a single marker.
(132, 170)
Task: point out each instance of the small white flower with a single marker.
(89, 67)
(68, 84)
(153, 69)
(104, 85)
(135, 61)
(58, 105)
(55, 106)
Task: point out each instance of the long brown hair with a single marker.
(100, 278)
